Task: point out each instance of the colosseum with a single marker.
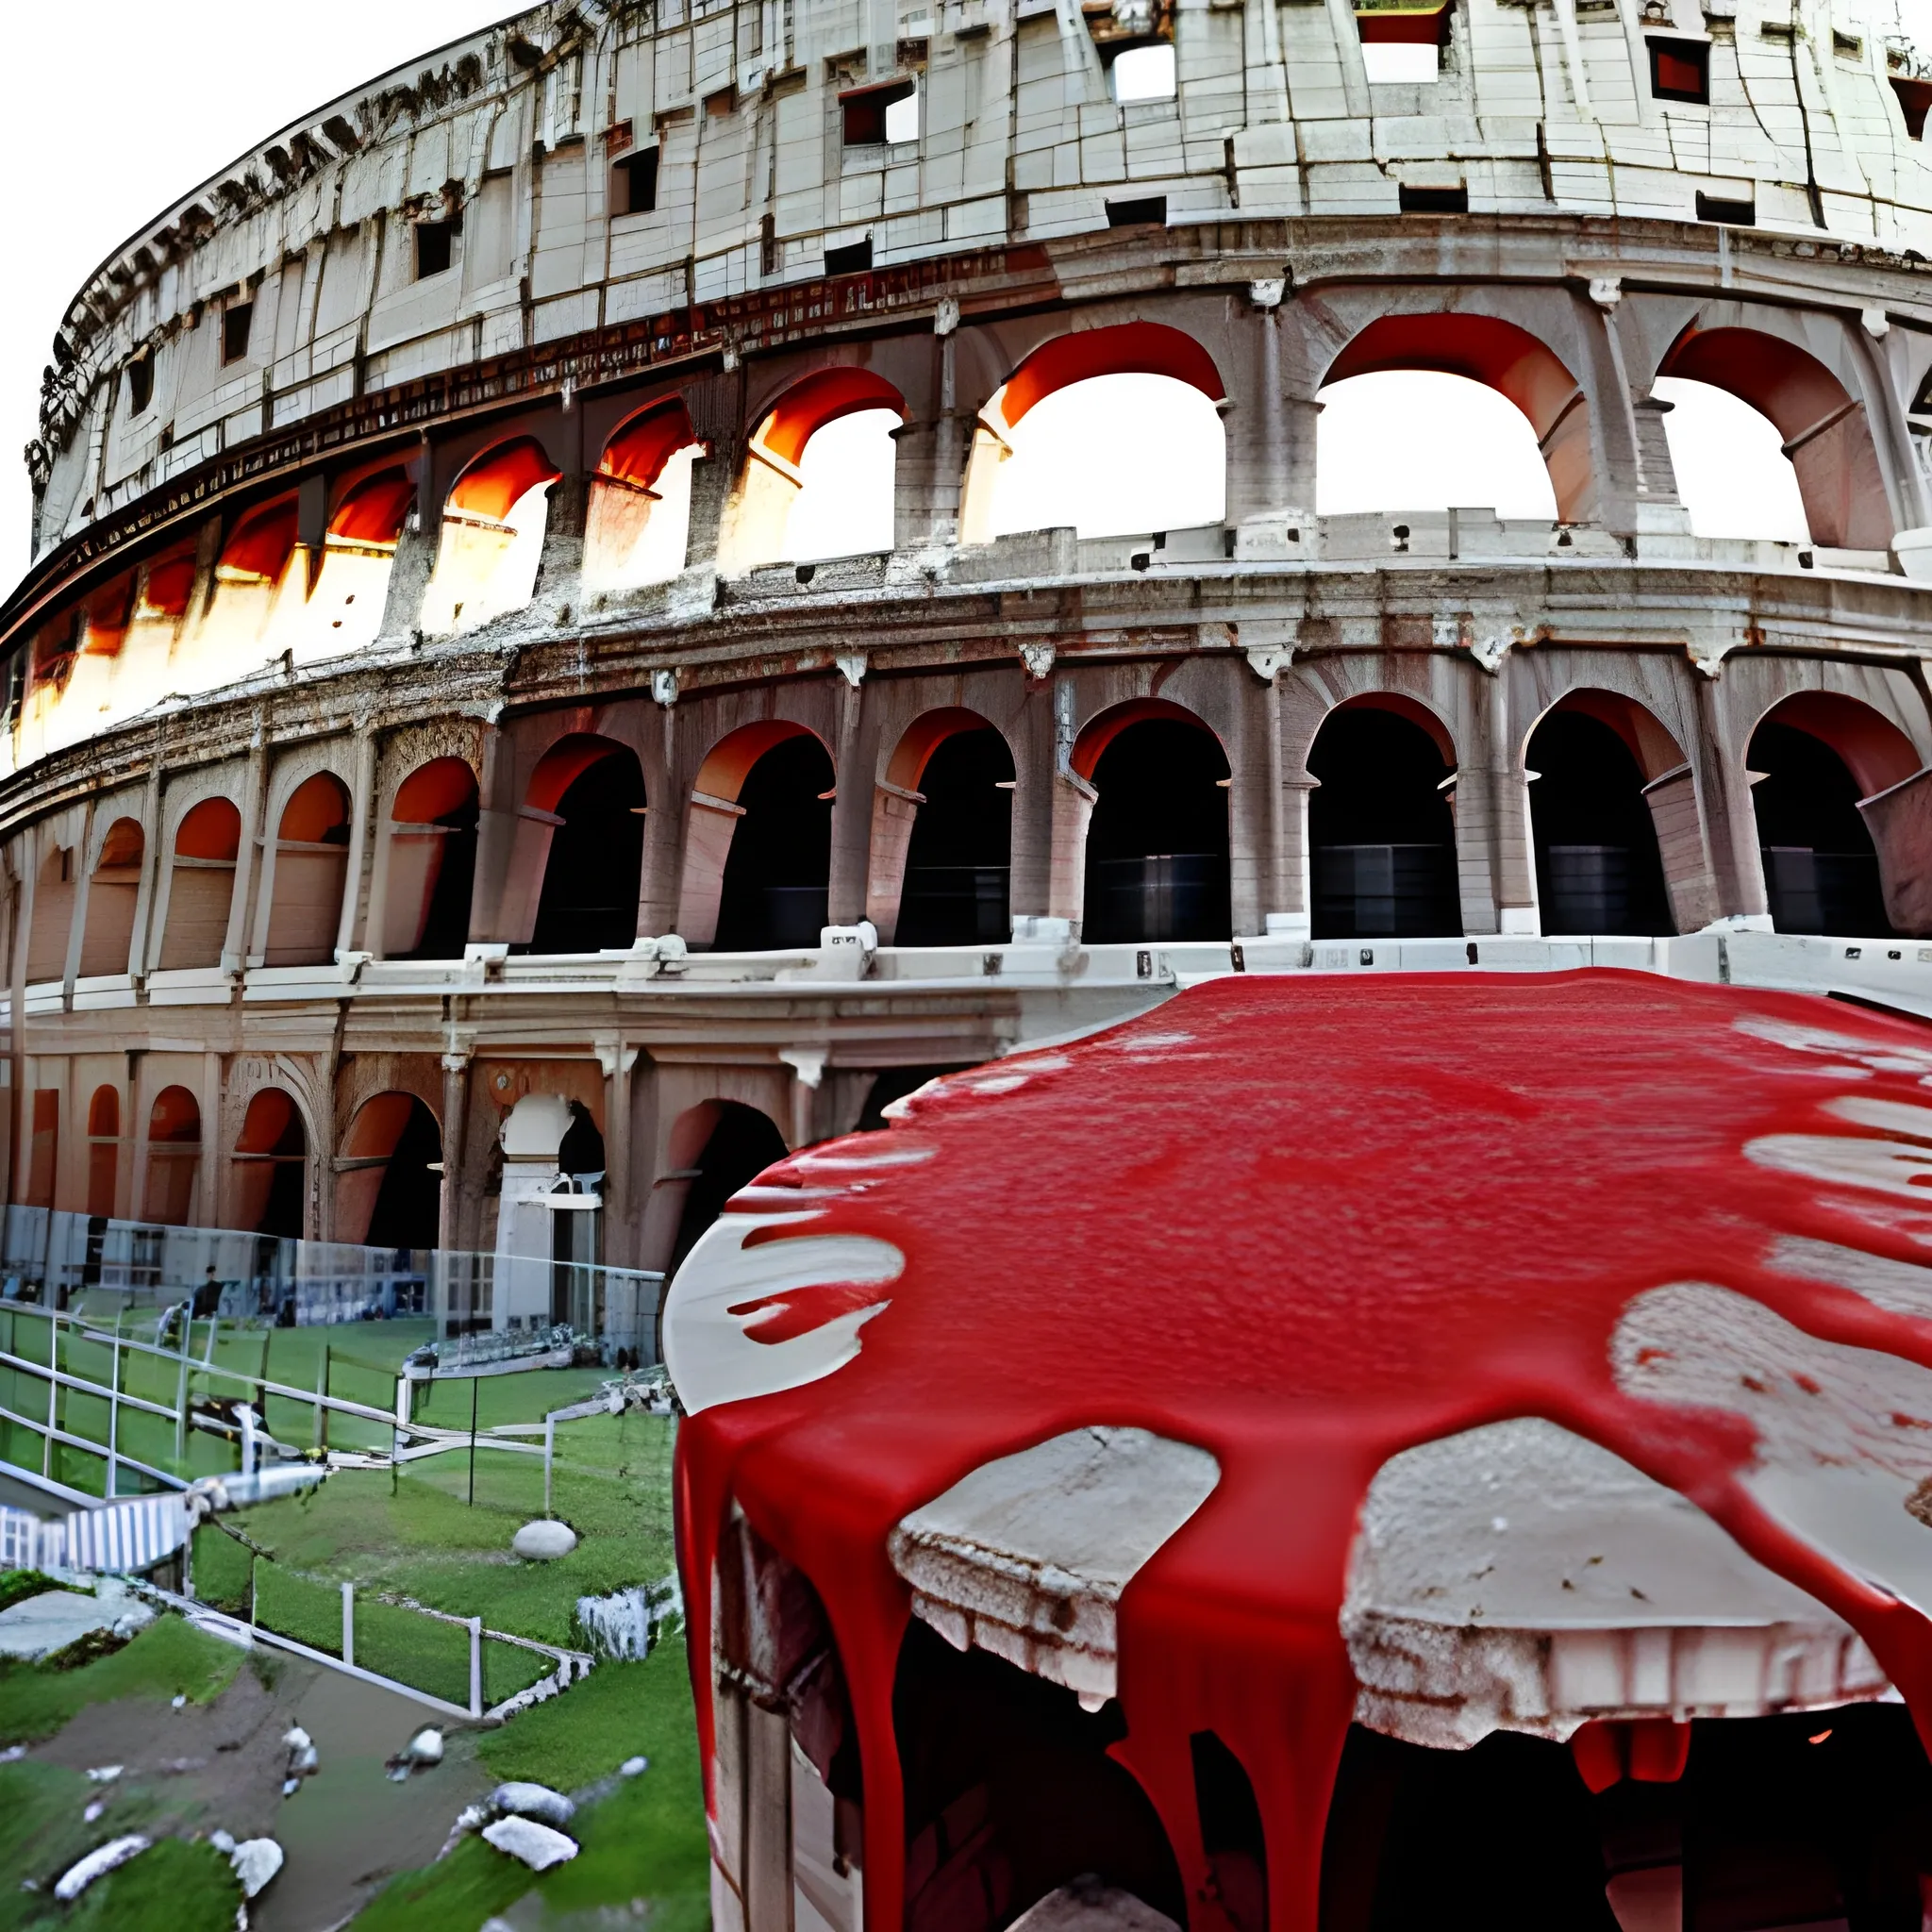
(445, 777)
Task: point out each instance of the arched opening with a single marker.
(52, 917)
(107, 941)
(960, 851)
(432, 863)
(201, 885)
(716, 1148)
(1157, 843)
(173, 1159)
(776, 877)
(1733, 475)
(250, 575)
(390, 1191)
(1597, 865)
(1231, 1833)
(491, 539)
(1418, 440)
(984, 1740)
(311, 862)
(1824, 434)
(351, 581)
(894, 1084)
(44, 1146)
(271, 1167)
(1113, 432)
(640, 515)
(103, 1151)
(1821, 755)
(594, 789)
(1481, 349)
(819, 473)
(1381, 836)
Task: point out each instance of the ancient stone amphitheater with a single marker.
(436, 762)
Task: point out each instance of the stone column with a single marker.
(1900, 822)
(663, 830)
(616, 1061)
(456, 1102)
(1270, 468)
(930, 468)
(415, 558)
(1031, 857)
(1683, 848)
(1512, 858)
(852, 807)
(1736, 862)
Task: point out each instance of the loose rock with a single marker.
(526, 1800)
(539, 1542)
(634, 1767)
(256, 1862)
(536, 1844)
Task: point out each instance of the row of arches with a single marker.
(388, 1173)
(1063, 440)
(1602, 777)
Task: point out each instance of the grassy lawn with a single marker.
(173, 1887)
(646, 1840)
(168, 1659)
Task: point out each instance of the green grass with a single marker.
(644, 1841)
(16, 1586)
(173, 1887)
(168, 1659)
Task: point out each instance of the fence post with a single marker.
(53, 1395)
(348, 1623)
(475, 1666)
(321, 1397)
(549, 1454)
(114, 1416)
(181, 1390)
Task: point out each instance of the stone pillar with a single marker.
(707, 832)
(1683, 848)
(560, 565)
(1736, 862)
(1074, 800)
(1031, 857)
(1900, 822)
(1512, 856)
(456, 1101)
(1270, 467)
(712, 476)
(236, 949)
(850, 808)
(894, 813)
(663, 831)
(620, 1237)
(362, 845)
(415, 558)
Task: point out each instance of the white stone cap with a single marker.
(1027, 1556)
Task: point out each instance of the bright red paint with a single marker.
(1338, 1219)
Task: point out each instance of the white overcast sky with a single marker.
(143, 99)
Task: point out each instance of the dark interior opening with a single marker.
(435, 246)
(743, 1144)
(1381, 834)
(1010, 1792)
(1597, 867)
(590, 899)
(1820, 868)
(281, 1214)
(1814, 1817)
(581, 1150)
(957, 864)
(780, 864)
(1157, 845)
(447, 930)
(408, 1204)
(1231, 1832)
(238, 323)
(636, 180)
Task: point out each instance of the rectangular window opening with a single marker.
(1141, 70)
(634, 183)
(852, 260)
(1914, 98)
(435, 247)
(140, 383)
(1433, 201)
(1733, 214)
(1150, 210)
(1680, 70)
(238, 320)
(868, 113)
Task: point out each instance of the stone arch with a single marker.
(52, 927)
(203, 855)
(387, 1192)
(715, 1148)
(269, 1189)
(1503, 356)
(114, 897)
(173, 1158)
(711, 827)
(305, 872)
(640, 512)
(897, 827)
(491, 538)
(1615, 830)
(1148, 824)
(1381, 827)
(584, 806)
(348, 579)
(1827, 433)
(430, 835)
(103, 1150)
(1844, 830)
(1060, 363)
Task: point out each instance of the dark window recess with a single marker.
(1735, 214)
(852, 260)
(777, 873)
(1384, 25)
(1680, 70)
(1157, 845)
(140, 383)
(1434, 201)
(1129, 214)
(1915, 97)
(1597, 865)
(634, 183)
(865, 111)
(435, 247)
(1821, 869)
(237, 321)
(956, 861)
(590, 896)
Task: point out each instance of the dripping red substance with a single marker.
(1304, 1225)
